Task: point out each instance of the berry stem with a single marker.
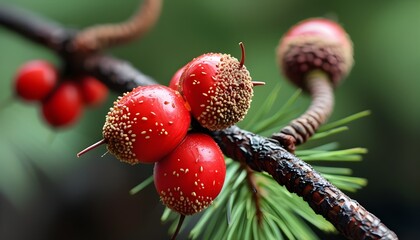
(91, 147)
(242, 62)
(299, 130)
(99, 37)
(178, 227)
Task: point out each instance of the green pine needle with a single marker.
(352, 154)
(344, 121)
(283, 113)
(142, 185)
(264, 108)
(324, 134)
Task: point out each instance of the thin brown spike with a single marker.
(91, 147)
(242, 62)
(257, 83)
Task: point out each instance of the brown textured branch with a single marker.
(34, 28)
(99, 37)
(261, 154)
(117, 74)
(299, 130)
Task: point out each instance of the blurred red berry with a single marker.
(35, 80)
(93, 91)
(64, 106)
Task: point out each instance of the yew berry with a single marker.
(315, 44)
(145, 124)
(174, 83)
(93, 91)
(191, 177)
(218, 89)
(35, 80)
(64, 106)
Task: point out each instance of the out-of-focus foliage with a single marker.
(385, 79)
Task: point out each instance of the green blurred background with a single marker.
(48, 193)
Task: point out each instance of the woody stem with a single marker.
(299, 130)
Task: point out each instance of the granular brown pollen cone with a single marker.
(315, 44)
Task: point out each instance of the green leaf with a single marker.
(328, 133)
(280, 114)
(333, 170)
(264, 108)
(352, 154)
(344, 121)
(142, 185)
(347, 183)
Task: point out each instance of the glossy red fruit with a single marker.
(315, 44)
(64, 106)
(191, 177)
(174, 83)
(146, 124)
(218, 89)
(93, 91)
(35, 80)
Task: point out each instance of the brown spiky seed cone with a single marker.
(315, 44)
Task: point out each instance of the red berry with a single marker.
(315, 44)
(218, 89)
(64, 106)
(146, 124)
(174, 83)
(35, 80)
(191, 177)
(93, 91)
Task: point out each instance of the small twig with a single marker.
(117, 74)
(34, 28)
(299, 130)
(253, 185)
(103, 36)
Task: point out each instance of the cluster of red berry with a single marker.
(62, 100)
(151, 124)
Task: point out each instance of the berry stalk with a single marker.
(299, 130)
(178, 227)
(100, 37)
